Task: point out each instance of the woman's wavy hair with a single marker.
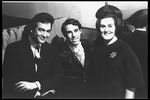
(113, 12)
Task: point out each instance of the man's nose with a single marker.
(73, 34)
(45, 34)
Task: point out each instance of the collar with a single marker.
(74, 46)
(141, 29)
(32, 43)
(113, 40)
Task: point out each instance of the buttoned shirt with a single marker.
(36, 53)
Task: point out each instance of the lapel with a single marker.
(86, 57)
(44, 54)
(76, 60)
(28, 55)
(30, 58)
(69, 55)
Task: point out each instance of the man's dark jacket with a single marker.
(19, 66)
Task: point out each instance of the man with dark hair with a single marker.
(75, 57)
(32, 67)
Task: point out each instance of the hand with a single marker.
(130, 93)
(25, 86)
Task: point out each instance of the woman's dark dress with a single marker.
(114, 68)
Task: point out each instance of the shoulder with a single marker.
(49, 49)
(16, 47)
(49, 46)
(125, 50)
(86, 44)
(123, 46)
(16, 44)
(65, 51)
(141, 34)
(63, 47)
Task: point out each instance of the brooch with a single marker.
(113, 54)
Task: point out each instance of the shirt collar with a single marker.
(75, 48)
(32, 43)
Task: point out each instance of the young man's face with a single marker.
(107, 28)
(73, 34)
(41, 32)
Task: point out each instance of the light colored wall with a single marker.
(83, 11)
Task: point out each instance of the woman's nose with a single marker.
(106, 29)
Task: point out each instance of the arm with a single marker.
(131, 72)
(52, 75)
(12, 73)
(129, 94)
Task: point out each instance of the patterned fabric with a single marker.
(79, 52)
(80, 55)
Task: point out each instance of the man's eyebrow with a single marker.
(44, 29)
(76, 29)
(41, 28)
(68, 31)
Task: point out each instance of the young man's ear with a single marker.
(32, 30)
(80, 30)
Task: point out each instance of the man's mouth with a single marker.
(42, 38)
(74, 40)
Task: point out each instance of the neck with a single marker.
(108, 42)
(73, 45)
(32, 42)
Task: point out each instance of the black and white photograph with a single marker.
(74, 49)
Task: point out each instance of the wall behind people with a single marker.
(82, 11)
